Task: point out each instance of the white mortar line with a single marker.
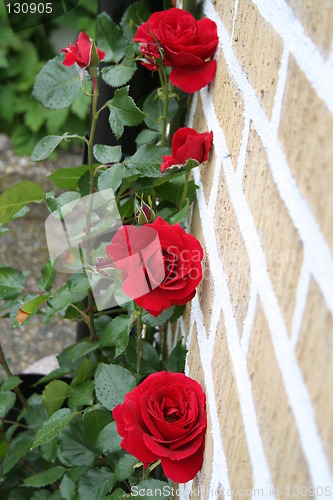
(248, 321)
(259, 465)
(278, 98)
(319, 252)
(296, 391)
(301, 298)
(206, 354)
(234, 19)
(286, 24)
(243, 146)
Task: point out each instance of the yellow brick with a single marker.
(229, 106)
(279, 433)
(259, 50)
(314, 353)
(317, 20)
(226, 11)
(279, 237)
(207, 169)
(228, 408)
(306, 134)
(233, 253)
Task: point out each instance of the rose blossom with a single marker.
(165, 418)
(187, 143)
(160, 264)
(187, 45)
(80, 53)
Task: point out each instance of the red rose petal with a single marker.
(192, 79)
(182, 471)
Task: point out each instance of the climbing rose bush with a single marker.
(80, 53)
(165, 418)
(188, 143)
(160, 264)
(179, 41)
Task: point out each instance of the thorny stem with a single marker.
(91, 190)
(184, 194)
(165, 89)
(17, 390)
(138, 339)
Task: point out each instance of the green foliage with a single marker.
(147, 160)
(112, 177)
(53, 426)
(18, 196)
(45, 147)
(68, 178)
(11, 283)
(7, 401)
(112, 383)
(123, 112)
(54, 395)
(107, 154)
(44, 478)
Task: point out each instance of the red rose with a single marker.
(182, 43)
(187, 143)
(165, 418)
(160, 264)
(80, 53)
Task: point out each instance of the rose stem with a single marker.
(17, 390)
(138, 339)
(165, 88)
(187, 176)
(94, 118)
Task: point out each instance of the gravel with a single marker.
(24, 247)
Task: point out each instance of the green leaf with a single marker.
(147, 160)
(94, 420)
(147, 136)
(48, 276)
(19, 447)
(44, 478)
(49, 451)
(95, 484)
(53, 426)
(179, 216)
(112, 383)
(109, 440)
(10, 383)
(150, 362)
(32, 306)
(83, 394)
(117, 332)
(7, 401)
(11, 283)
(57, 86)
(82, 348)
(68, 178)
(67, 488)
(109, 38)
(55, 374)
(124, 467)
(119, 74)
(54, 395)
(84, 371)
(17, 196)
(150, 320)
(45, 146)
(107, 154)
(118, 494)
(123, 111)
(176, 359)
(75, 449)
(146, 488)
(172, 189)
(136, 14)
(111, 178)
(154, 109)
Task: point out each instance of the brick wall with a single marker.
(260, 329)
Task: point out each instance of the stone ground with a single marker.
(24, 247)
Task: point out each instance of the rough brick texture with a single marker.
(259, 332)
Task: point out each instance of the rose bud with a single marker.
(82, 52)
(102, 265)
(144, 214)
(188, 143)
